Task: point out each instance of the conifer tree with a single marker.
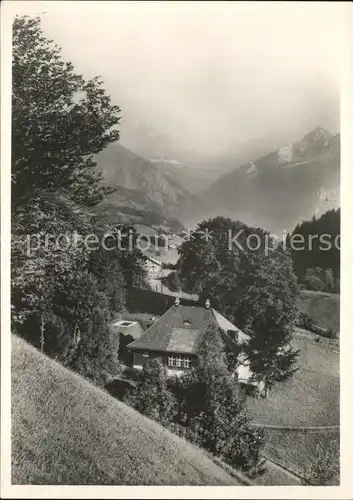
(215, 407)
(152, 397)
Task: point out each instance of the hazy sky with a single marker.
(211, 75)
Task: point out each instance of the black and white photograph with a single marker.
(172, 183)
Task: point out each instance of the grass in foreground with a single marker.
(66, 431)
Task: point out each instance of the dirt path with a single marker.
(315, 428)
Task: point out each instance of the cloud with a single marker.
(209, 75)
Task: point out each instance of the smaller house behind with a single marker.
(128, 331)
(152, 266)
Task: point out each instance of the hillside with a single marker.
(133, 207)
(310, 397)
(66, 431)
(323, 307)
(303, 411)
(195, 180)
(280, 188)
(122, 167)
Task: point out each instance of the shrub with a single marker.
(304, 320)
(132, 373)
(152, 397)
(120, 388)
(184, 432)
(325, 468)
(315, 283)
(330, 333)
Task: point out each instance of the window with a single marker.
(179, 361)
(187, 362)
(172, 361)
(146, 354)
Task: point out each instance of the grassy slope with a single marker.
(66, 431)
(323, 307)
(310, 398)
(297, 450)
(276, 476)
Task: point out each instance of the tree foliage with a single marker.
(317, 247)
(55, 287)
(172, 281)
(64, 292)
(251, 281)
(132, 259)
(152, 396)
(325, 469)
(59, 119)
(214, 407)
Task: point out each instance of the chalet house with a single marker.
(176, 336)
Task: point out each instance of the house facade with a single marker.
(176, 336)
(176, 363)
(152, 266)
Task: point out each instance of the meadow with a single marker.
(323, 307)
(60, 419)
(310, 397)
(67, 431)
(296, 450)
(304, 408)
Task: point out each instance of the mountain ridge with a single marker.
(121, 166)
(280, 188)
(143, 193)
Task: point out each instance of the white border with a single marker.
(345, 490)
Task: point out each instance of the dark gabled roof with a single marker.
(152, 259)
(181, 329)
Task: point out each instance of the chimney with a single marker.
(177, 301)
(207, 304)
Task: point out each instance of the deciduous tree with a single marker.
(61, 302)
(59, 119)
(249, 278)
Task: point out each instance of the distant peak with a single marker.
(317, 134)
